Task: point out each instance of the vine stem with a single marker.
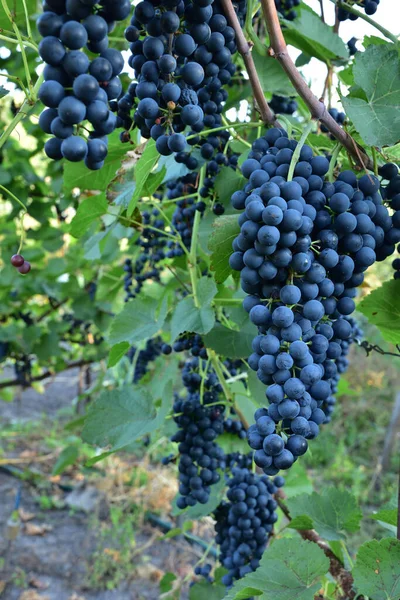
(367, 19)
(192, 258)
(26, 105)
(244, 49)
(333, 161)
(15, 41)
(297, 151)
(215, 129)
(21, 43)
(278, 49)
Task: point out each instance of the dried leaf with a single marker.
(33, 529)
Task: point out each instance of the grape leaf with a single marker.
(143, 169)
(67, 457)
(272, 76)
(140, 319)
(387, 514)
(224, 231)
(89, 210)
(204, 590)
(77, 175)
(291, 569)
(188, 317)
(332, 513)
(226, 182)
(376, 118)
(382, 309)
(377, 569)
(117, 352)
(119, 416)
(18, 14)
(235, 344)
(313, 37)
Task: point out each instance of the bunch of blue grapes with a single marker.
(146, 356)
(187, 342)
(286, 8)
(352, 46)
(181, 53)
(340, 118)
(200, 457)
(283, 105)
(370, 7)
(245, 522)
(146, 266)
(396, 265)
(76, 88)
(302, 251)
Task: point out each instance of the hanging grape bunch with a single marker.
(78, 90)
(302, 251)
(369, 6)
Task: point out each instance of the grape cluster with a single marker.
(181, 53)
(283, 105)
(77, 89)
(199, 425)
(370, 7)
(340, 118)
(146, 356)
(351, 44)
(191, 342)
(245, 522)
(286, 8)
(23, 370)
(302, 251)
(146, 264)
(22, 265)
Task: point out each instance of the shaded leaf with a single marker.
(67, 457)
(89, 210)
(272, 76)
(117, 352)
(143, 169)
(224, 231)
(377, 569)
(140, 319)
(227, 342)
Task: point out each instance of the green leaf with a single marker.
(139, 320)
(332, 513)
(344, 388)
(3, 91)
(382, 309)
(257, 388)
(297, 481)
(228, 181)
(67, 457)
(227, 342)
(204, 590)
(166, 582)
(118, 417)
(291, 569)
(272, 76)
(154, 181)
(89, 210)
(188, 317)
(77, 175)
(117, 352)
(302, 59)
(18, 14)
(387, 514)
(143, 169)
(229, 442)
(377, 569)
(377, 119)
(224, 231)
(313, 37)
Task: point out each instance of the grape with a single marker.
(17, 260)
(73, 81)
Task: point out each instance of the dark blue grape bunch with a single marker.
(23, 370)
(351, 44)
(283, 105)
(128, 279)
(182, 58)
(187, 342)
(370, 7)
(204, 571)
(146, 356)
(302, 251)
(77, 89)
(286, 8)
(236, 427)
(340, 118)
(245, 522)
(396, 265)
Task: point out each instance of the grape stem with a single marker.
(245, 50)
(336, 567)
(366, 18)
(278, 50)
(297, 151)
(192, 257)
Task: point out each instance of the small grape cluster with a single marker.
(146, 356)
(22, 265)
(146, 265)
(245, 522)
(75, 88)
(191, 342)
(23, 370)
(283, 105)
(351, 44)
(370, 7)
(199, 425)
(340, 118)
(396, 265)
(302, 251)
(286, 8)
(182, 57)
